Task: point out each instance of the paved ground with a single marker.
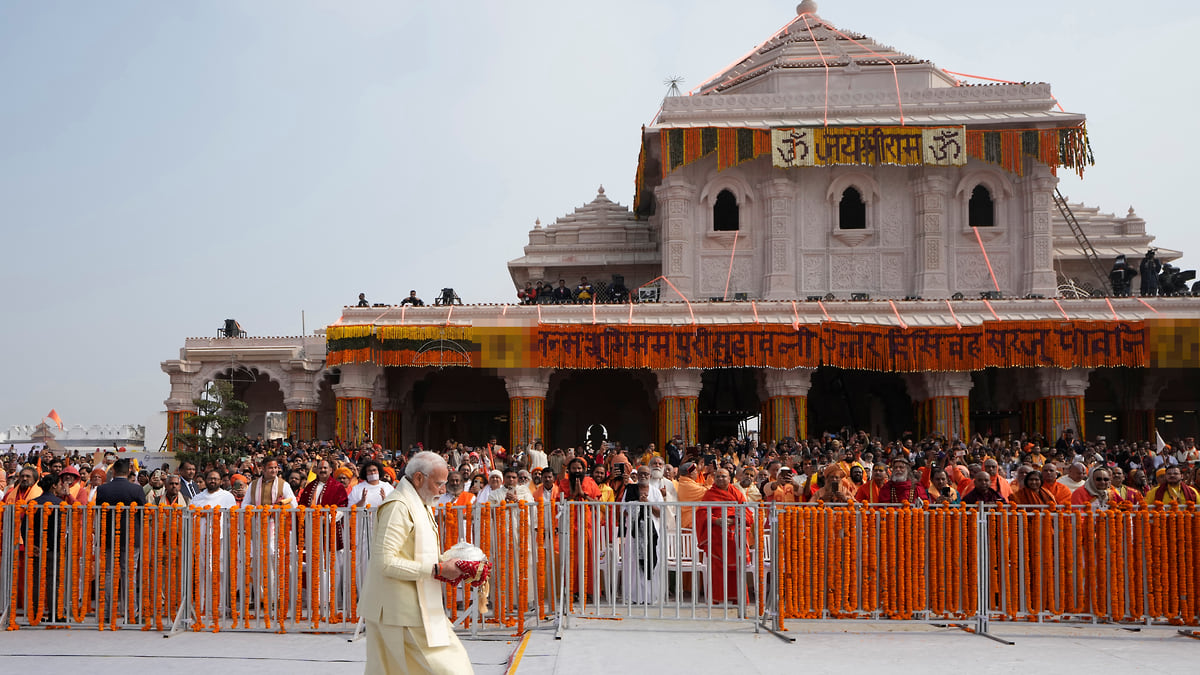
(679, 647)
(634, 645)
(131, 651)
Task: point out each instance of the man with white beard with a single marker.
(662, 485)
(659, 481)
(401, 601)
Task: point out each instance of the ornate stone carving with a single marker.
(794, 382)
(1041, 251)
(814, 272)
(1061, 382)
(853, 272)
(932, 223)
(714, 271)
(676, 257)
(526, 382)
(971, 273)
(779, 256)
(683, 382)
(933, 254)
(946, 384)
(893, 275)
(1041, 223)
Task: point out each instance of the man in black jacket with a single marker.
(120, 490)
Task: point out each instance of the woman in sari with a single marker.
(1032, 493)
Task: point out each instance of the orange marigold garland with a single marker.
(195, 554)
(522, 573)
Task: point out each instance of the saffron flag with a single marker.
(57, 420)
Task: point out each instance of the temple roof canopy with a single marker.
(812, 73)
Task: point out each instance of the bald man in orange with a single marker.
(1050, 474)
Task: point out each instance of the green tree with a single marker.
(218, 421)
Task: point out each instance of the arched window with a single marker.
(981, 211)
(725, 212)
(852, 212)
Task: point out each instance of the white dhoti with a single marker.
(404, 649)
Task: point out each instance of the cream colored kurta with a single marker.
(407, 628)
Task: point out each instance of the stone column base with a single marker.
(386, 428)
(947, 415)
(526, 421)
(353, 423)
(177, 425)
(1056, 413)
(302, 424)
(677, 415)
(784, 417)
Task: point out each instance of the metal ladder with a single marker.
(1088, 251)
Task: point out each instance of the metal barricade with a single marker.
(697, 560)
(300, 569)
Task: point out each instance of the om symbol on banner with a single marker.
(792, 147)
(944, 147)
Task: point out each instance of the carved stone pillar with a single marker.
(781, 264)
(385, 416)
(930, 192)
(302, 403)
(941, 401)
(354, 391)
(678, 395)
(179, 404)
(1038, 245)
(678, 232)
(1059, 404)
(527, 389)
(786, 411)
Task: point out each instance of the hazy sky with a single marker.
(165, 165)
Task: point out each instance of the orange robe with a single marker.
(581, 542)
(868, 492)
(1027, 497)
(689, 491)
(716, 531)
(1062, 493)
(1081, 497)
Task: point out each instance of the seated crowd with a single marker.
(847, 468)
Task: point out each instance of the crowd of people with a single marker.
(846, 468)
(585, 292)
(835, 468)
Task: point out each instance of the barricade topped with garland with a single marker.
(1061, 344)
(283, 569)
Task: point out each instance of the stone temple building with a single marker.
(830, 233)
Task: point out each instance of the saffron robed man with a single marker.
(401, 601)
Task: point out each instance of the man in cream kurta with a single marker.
(401, 601)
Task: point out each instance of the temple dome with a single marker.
(601, 236)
